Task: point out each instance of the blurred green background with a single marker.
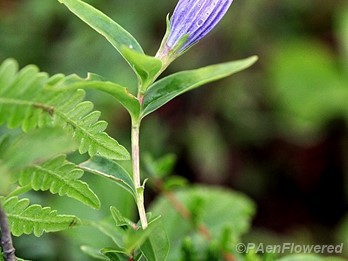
(276, 132)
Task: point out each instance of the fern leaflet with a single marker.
(28, 219)
(59, 176)
(28, 98)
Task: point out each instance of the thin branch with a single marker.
(6, 239)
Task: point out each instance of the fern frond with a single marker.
(77, 116)
(28, 98)
(59, 177)
(28, 219)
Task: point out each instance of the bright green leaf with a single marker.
(59, 176)
(93, 81)
(173, 85)
(28, 219)
(111, 170)
(146, 67)
(103, 24)
(30, 100)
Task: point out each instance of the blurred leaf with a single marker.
(220, 209)
(59, 176)
(28, 219)
(111, 170)
(188, 251)
(156, 247)
(147, 67)
(110, 230)
(173, 85)
(207, 149)
(93, 252)
(115, 255)
(174, 182)
(307, 86)
(342, 33)
(160, 167)
(40, 144)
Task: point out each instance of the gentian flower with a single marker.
(190, 22)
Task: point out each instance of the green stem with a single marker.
(136, 174)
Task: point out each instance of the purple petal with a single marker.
(195, 18)
(207, 22)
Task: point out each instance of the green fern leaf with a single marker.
(14, 86)
(59, 177)
(77, 116)
(28, 98)
(28, 219)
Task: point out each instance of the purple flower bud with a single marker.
(190, 22)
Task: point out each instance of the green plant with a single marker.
(49, 115)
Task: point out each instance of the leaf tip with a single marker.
(254, 58)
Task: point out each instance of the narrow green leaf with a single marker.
(146, 67)
(111, 170)
(173, 85)
(28, 219)
(59, 176)
(93, 81)
(156, 246)
(103, 24)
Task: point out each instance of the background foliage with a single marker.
(276, 132)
